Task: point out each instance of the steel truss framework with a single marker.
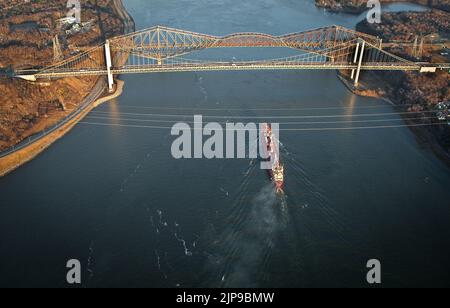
(162, 49)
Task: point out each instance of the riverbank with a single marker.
(127, 19)
(71, 115)
(15, 160)
(413, 91)
(27, 34)
(375, 86)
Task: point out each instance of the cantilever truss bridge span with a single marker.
(162, 49)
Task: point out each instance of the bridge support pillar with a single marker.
(108, 66)
(361, 56)
(355, 60)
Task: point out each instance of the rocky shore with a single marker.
(359, 6)
(411, 90)
(405, 26)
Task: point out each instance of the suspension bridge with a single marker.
(163, 49)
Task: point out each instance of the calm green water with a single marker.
(111, 195)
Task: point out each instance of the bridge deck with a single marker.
(220, 66)
(159, 49)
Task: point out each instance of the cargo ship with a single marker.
(270, 145)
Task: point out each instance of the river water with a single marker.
(110, 194)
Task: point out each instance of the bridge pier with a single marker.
(361, 56)
(109, 66)
(355, 61)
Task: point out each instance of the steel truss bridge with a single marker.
(162, 49)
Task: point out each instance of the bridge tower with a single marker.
(361, 57)
(415, 47)
(420, 53)
(57, 53)
(358, 58)
(159, 56)
(355, 59)
(109, 66)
